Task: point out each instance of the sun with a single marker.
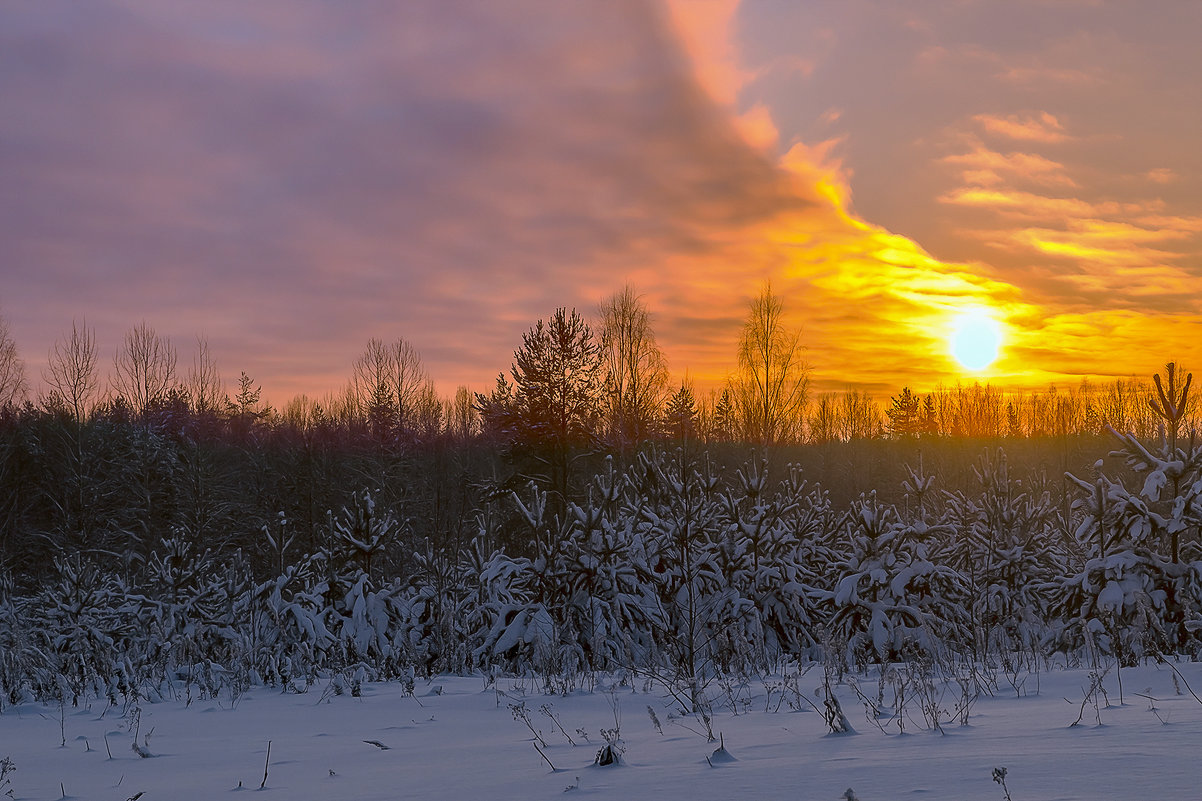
(975, 340)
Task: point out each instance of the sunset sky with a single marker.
(291, 179)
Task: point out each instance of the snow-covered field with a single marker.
(458, 738)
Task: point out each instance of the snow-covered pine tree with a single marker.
(679, 514)
(85, 619)
(892, 601)
(1003, 543)
(1116, 602)
(362, 534)
(611, 592)
(1140, 592)
(770, 600)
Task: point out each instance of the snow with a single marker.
(457, 738)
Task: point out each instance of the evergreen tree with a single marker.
(680, 416)
(557, 398)
(724, 418)
(905, 414)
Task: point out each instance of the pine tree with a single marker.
(557, 397)
(724, 418)
(905, 414)
(680, 416)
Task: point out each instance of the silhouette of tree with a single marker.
(772, 383)
(636, 372)
(144, 368)
(71, 372)
(557, 395)
(13, 386)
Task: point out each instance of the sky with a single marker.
(288, 180)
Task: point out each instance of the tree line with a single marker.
(613, 385)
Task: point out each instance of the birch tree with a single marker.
(772, 382)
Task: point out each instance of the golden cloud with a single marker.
(1041, 127)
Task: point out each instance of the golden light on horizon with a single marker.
(976, 340)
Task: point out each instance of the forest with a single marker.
(582, 516)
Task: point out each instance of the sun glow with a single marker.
(975, 340)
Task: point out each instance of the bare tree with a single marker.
(772, 383)
(391, 387)
(301, 412)
(859, 416)
(636, 372)
(144, 368)
(206, 390)
(13, 386)
(462, 418)
(824, 421)
(71, 372)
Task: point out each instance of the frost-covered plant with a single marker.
(1141, 590)
(655, 720)
(85, 619)
(362, 533)
(1003, 543)
(611, 753)
(7, 768)
(1118, 599)
(520, 712)
(892, 600)
(1095, 695)
(832, 711)
(999, 777)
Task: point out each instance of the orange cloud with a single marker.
(1162, 175)
(1042, 127)
(1077, 248)
(703, 28)
(985, 167)
(1017, 203)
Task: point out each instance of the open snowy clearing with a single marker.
(457, 738)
